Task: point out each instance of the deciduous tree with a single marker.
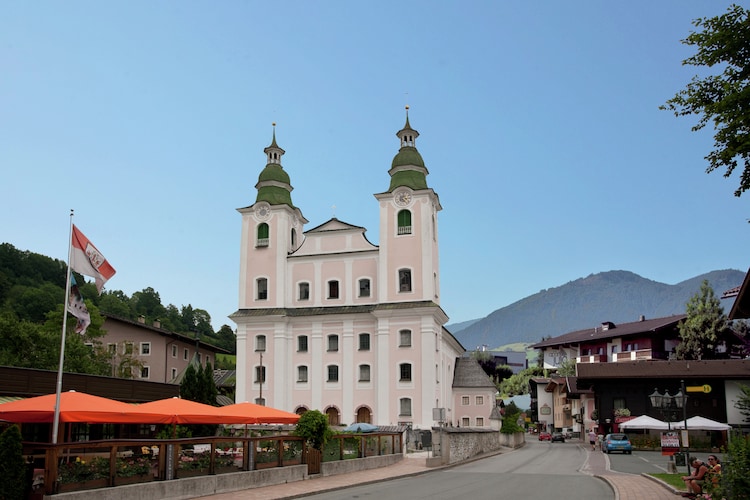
(723, 43)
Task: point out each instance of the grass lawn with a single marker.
(672, 480)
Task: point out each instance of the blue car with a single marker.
(617, 442)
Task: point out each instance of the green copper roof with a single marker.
(274, 195)
(274, 172)
(410, 178)
(407, 156)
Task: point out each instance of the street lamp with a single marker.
(670, 406)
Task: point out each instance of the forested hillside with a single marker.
(32, 293)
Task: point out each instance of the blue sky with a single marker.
(539, 124)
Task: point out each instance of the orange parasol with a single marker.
(250, 413)
(182, 411)
(74, 407)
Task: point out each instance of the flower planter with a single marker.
(143, 478)
(181, 473)
(83, 485)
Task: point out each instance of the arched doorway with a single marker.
(333, 416)
(364, 415)
(300, 410)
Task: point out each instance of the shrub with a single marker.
(313, 426)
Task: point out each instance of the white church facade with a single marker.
(329, 321)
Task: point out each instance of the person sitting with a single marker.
(714, 470)
(694, 482)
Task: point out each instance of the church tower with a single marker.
(272, 228)
(409, 270)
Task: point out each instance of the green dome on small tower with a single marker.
(273, 184)
(407, 167)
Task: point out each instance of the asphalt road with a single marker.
(538, 470)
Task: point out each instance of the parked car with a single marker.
(545, 436)
(617, 442)
(557, 437)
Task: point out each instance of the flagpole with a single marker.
(58, 392)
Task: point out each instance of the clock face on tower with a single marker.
(402, 198)
(263, 211)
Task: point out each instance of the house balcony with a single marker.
(637, 355)
(592, 358)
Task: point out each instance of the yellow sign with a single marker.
(699, 388)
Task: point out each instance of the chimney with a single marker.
(157, 323)
(142, 319)
(642, 318)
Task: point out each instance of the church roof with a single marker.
(469, 373)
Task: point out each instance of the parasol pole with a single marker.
(58, 391)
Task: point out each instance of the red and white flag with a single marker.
(86, 259)
(77, 307)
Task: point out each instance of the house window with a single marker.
(404, 407)
(405, 371)
(145, 348)
(260, 374)
(465, 400)
(262, 235)
(302, 343)
(174, 373)
(145, 372)
(404, 280)
(185, 354)
(198, 357)
(404, 338)
(364, 373)
(364, 287)
(128, 348)
(480, 422)
(333, 373)
(333, 343)
(112, 349)
(404, 222)
(333, 289)
(480, 400)
(304, 291)
(465, 422)
(260, 343)
(174, 351)
(262, 284)
(618, 403)
(364, 341)
(301, 374)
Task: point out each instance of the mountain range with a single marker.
(616, 296)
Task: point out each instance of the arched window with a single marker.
(262, 284)
(404, 407)
(262, 235)
(404, 372)
(294, 238)
(404, 222)
(404, 280)
(364, 341)
(364, 373)
(301, 374)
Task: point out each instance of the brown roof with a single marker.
(713, 368)
(609, 330)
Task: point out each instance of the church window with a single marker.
(294, 238)
(404, 280)
(364, 341)
(333, 373)
(333, 343)
(260, 343)
(404, 222)
(364, 287)
(262, 284)
(404, 407)
(304, 291)
(333, 289)
(262, 235)
(302, 374)
(404, 338)
(260, 374)
(405, 371)
(364, 373)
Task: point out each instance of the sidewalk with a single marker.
(625, 486)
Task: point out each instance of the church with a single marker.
(329, 321)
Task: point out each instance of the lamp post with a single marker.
(670, 406)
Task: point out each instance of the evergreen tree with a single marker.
(14, 481)
(189, 385)
(700, 330)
